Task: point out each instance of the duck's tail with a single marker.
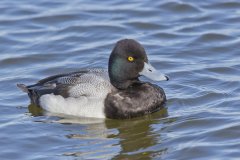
(23, 87)
(35, 91)
(30, 91)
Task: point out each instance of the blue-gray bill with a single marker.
(150, 72)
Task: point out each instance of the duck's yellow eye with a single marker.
(130, 59)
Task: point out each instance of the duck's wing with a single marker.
(85, 82)
(72, 75)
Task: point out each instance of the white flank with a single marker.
(81, 106)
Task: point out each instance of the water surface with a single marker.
(196, 43)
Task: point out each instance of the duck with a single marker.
(114, 93)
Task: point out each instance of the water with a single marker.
(196, 43)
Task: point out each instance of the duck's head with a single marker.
(127, 62)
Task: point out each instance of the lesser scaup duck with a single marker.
(117, 93)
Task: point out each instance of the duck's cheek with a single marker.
(150, 72)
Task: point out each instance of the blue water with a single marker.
(196, 43)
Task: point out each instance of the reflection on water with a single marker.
(134, 136)
(35, 110)
(196, 43)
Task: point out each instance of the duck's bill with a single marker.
(150, 72)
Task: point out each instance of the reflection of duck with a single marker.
(35, 110)
(91, 93)
(137, 138)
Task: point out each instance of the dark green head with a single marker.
(126, 63)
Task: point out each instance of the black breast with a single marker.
(137, 100)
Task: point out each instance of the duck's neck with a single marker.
(123, 84)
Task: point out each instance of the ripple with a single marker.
(145, 25)
(213, 37)
(4, 41)
(165, 35)
(224, 5)
(50, 19)
(232, 20)
(180, 7)
(24, 60)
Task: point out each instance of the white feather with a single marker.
(81, 106)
